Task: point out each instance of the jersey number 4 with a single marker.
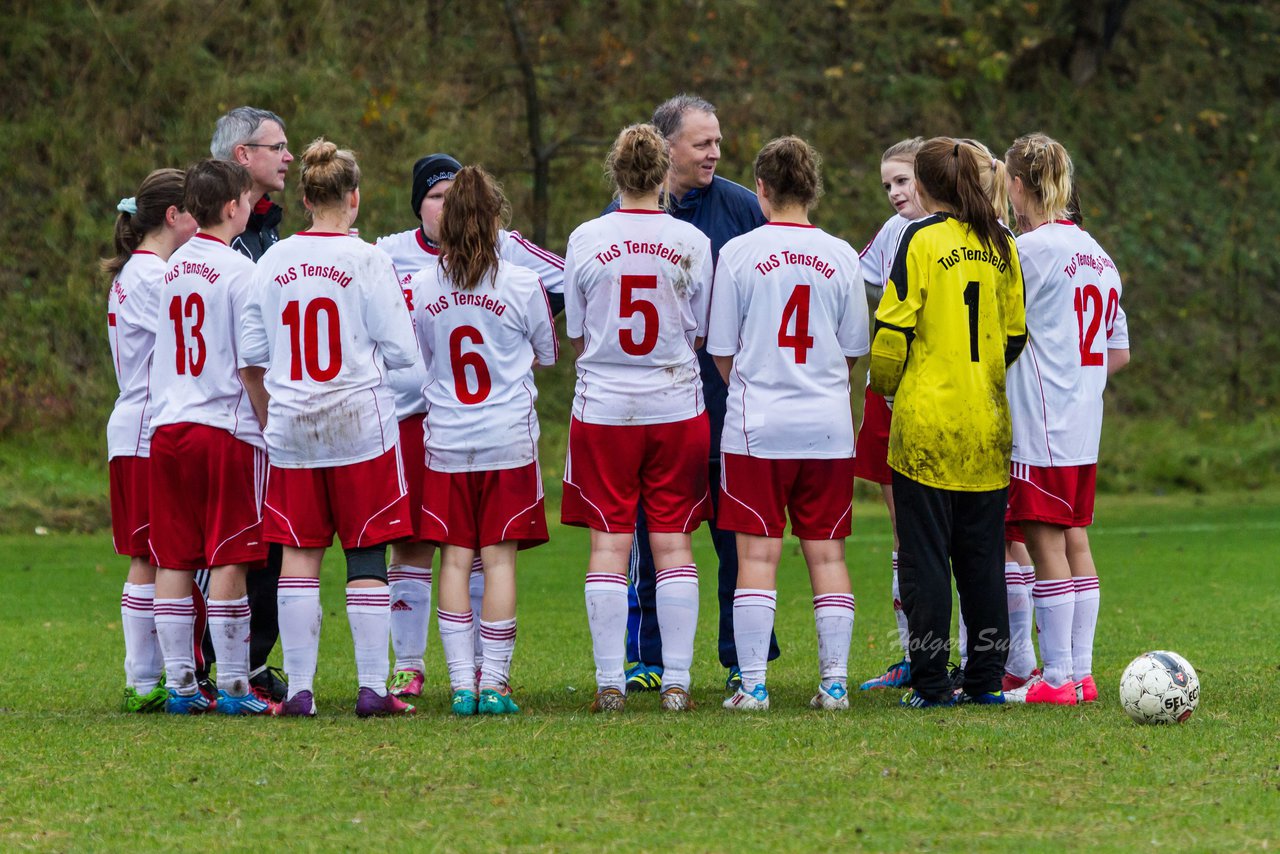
(1089, 301)
(304, 339)
(795, 315)
(179, 312)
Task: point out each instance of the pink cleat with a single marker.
(370, 705)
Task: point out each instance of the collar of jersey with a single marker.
(637, 211)
(426, 244)
(793, 224)
(321, 234)
(210, 237)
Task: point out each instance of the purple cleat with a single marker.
(300, 705)
(370, 705)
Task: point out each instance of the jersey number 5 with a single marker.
(460, 361)
(304, 339)
(193, 311)
(629, 307)
(1089, 301)
(796, 312)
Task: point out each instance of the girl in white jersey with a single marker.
(329, 321)
(639, 283)
(410, 572)
(150, 226)
(1077, 335)
(207, 461)
(898, 178)
(788, 319)
(482, 322)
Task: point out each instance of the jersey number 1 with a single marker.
(796, 311)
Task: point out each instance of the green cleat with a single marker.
(152, 701)
(493, 702)
(464, 702)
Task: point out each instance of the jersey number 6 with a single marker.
(460, 361)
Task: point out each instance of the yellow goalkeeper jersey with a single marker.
(951, 319)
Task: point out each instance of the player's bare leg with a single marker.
(409, 579)
(498, 628)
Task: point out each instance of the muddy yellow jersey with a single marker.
(950, 321)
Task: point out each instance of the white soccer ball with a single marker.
(1159, 687)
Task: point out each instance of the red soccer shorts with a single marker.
(130, 511)
(365, 504)
(474, 509)
(754, 493)
(206, 498)
(871, 460)
(610, 469)
(413, 456)
(1058, 495)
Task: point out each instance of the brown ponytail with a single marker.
(473, 212)
(144, 213)
(950, 171)
(791, 170)
(638, 162)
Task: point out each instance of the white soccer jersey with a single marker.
(1073, 318)
(131, 327)
(328, 320)
(639, 283)
(479, 347)
(411, 253)
(877, 257)
(195, 369)
(788, 305)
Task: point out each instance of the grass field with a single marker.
(1194, 574)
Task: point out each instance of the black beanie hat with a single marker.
(428, 172)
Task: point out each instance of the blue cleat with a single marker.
(912, 700)
(987, 698)
(897, 676)
(734, 682)
(249, 704)
(187, 704)
(644, 677)
(464, 702)
(495, 702)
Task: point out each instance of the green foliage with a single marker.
(1185, 573)
(1172, 139)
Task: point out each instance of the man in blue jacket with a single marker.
(722, 210)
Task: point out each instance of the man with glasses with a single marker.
(255, 139)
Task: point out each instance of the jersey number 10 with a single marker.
(304, 339)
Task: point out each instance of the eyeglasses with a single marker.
(276, 147)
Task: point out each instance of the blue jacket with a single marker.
(722, 211)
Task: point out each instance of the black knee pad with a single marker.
(368, 562)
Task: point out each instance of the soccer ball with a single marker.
(1159, 687)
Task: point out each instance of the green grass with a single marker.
(1195, 574)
